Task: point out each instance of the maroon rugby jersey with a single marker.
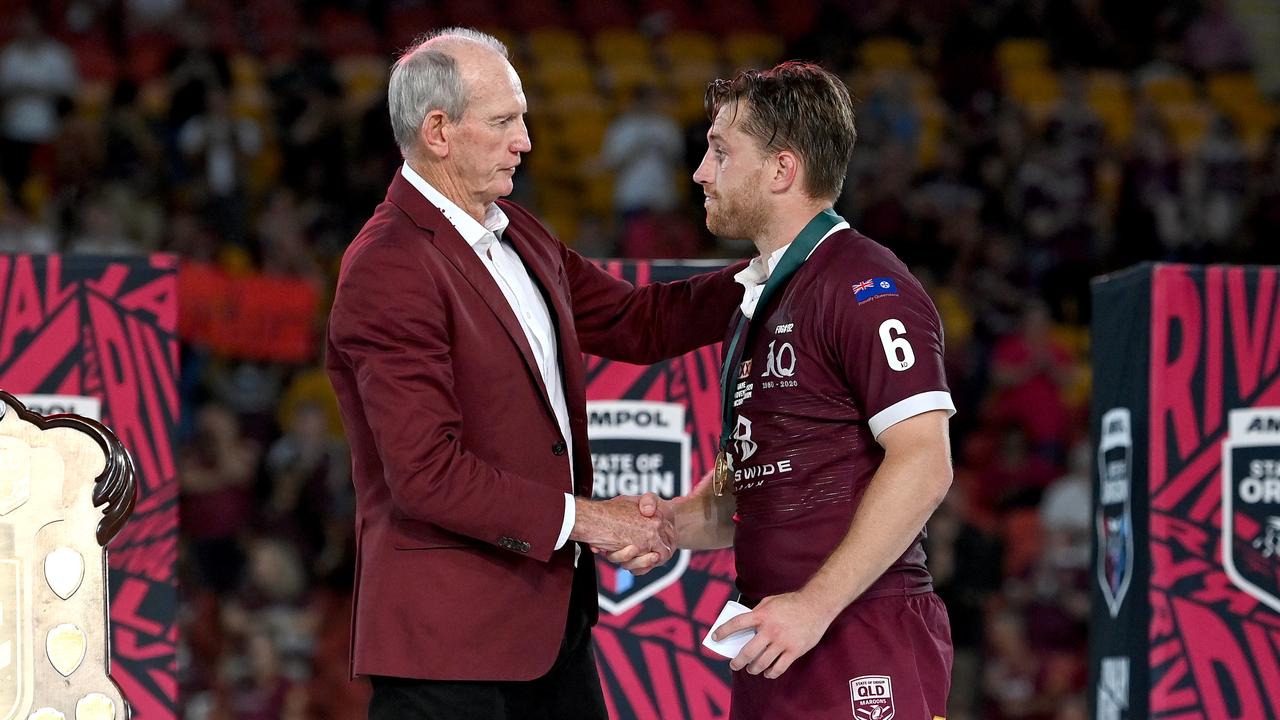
(851, 345)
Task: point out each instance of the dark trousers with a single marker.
(569, 691)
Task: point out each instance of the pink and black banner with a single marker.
(654, 429)
(98, 336)
(1186, 417)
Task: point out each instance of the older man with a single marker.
(455, 347)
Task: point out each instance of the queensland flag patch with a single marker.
(873, 288)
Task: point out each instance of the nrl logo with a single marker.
(1251, 503)
(638, 447)
(1114, 516)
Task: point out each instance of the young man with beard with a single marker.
(835, 448)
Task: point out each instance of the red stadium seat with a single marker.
(474, 13)
(405, 23)
(733, 16)
(671, 15)
(148, 54)
(534, 14)
(346, 33)
(592, 16)
(95, 60)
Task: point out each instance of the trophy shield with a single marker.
(67, 486)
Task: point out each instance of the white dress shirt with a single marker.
(530, 308)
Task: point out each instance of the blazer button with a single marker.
(559, 448)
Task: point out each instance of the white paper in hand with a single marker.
(732, 645)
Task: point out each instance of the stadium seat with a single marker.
(594, 16)
(556, 44)
(404, 23)
(689, 47)
(1187, 122)
(751, 49)
(363, 79)
(528, 15)
(564, 76)
(1021, 54)
(1169, 89)
(627, 46)
(886, 52)
(734, 16)
(670, 15)
(347, 33)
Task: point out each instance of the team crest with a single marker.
(872, 697)
(637, 447)
(1251, 503)
(1113, 515)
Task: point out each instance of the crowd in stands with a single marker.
(1008, 152)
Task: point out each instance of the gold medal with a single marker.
(720, 475)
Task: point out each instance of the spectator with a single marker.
(644, 148)
(37, 81)
(1030, 370)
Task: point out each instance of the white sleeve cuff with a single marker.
(912, 406)
(570, 514)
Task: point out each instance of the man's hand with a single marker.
(787, 626)
(633, 558)
(627, 522)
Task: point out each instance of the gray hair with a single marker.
(426, 78)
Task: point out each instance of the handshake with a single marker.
(637, 532)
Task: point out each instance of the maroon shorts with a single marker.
(885, 657)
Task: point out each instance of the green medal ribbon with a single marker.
(791, 261)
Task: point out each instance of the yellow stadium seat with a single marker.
(1232, 89)
(1034, 85)
(757, 50)
(576, 104)
(245, 70)
(363, 79)
(562, 223)
(1107, 86)
(622, 78)
(622, 46)
(564, 76)
(690, 47)
(1187, 122)
(555, 44)
(1021, 54)
(886, 52)
(1166, 89)
(1116, 113)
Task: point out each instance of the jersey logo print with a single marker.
(784, 329)
(873, 288)
(742, 438)
(782, 361)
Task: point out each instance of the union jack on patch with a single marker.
(872, 288)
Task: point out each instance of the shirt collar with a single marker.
(495, 221)
(757, 272)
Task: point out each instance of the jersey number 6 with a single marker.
(896, 348)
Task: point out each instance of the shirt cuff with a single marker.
(912, 406)
(570, 514)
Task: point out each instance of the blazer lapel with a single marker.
(572, 373)
(463, 257)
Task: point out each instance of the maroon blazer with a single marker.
(459, 465)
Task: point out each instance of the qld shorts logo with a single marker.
(637, 447)
(1113, 517)
(1251, 503)
(872, 697)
